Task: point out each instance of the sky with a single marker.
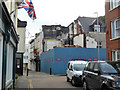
(63, 12)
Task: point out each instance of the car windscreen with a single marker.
(79, 67)
(109, 68)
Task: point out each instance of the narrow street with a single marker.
(43, 80)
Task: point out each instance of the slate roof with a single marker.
(86, 22)
(22, 23)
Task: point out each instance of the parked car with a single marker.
(101, 75)
(74, 71)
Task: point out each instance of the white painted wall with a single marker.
(90, 42)
(21, 44)
(51, 43)
(70, 30)
(26, 54)
(75, 28)
(79, 40)
(38, 44)
(1, 53)
(31, 65)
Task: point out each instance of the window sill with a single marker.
(114, 8)
(115, 38)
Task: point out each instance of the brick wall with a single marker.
(111, 44)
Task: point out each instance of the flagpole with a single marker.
(15, 9)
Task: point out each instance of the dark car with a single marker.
(101, 75)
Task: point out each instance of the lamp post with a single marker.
(98, 41)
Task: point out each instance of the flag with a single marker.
(28, 6)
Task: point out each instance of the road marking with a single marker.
(30, 84)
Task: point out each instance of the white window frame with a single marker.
(9, 66)
(114, 4)
(1, 58)
(96, 28)
(115, 55)
(114, 28)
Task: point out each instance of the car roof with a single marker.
(78, 62)
(97, 61)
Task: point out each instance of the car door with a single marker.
(87, 74)
(95, 77)
(90, 75)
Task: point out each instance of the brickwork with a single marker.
(111, 15)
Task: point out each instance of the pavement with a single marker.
(42, 80)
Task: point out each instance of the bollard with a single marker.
(50, 71)
(27, 71)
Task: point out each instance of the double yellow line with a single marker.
(30, 84)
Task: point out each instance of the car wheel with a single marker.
(68, 79)
(73, 82)
(85, 85)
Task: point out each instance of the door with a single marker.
(19, 63)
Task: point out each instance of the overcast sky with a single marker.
(64, 12)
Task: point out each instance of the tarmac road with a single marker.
(43, 80)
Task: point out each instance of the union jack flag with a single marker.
(28, 6)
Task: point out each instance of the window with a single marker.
(114, 4)
(79, 67)
(115, 28)
(9, 69)
(96, 66)
(90, 68)
(96, 28)
(115, 55)
(107, 68)
(99, 44)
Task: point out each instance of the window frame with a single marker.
(115, 55)
(114, 28)
(114, 4)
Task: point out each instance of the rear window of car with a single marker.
(79, 67)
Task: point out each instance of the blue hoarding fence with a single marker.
(55, 61)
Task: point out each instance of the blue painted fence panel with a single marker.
(61, 55)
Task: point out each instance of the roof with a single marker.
(86, 22)
(78, 62)
(22, 23)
